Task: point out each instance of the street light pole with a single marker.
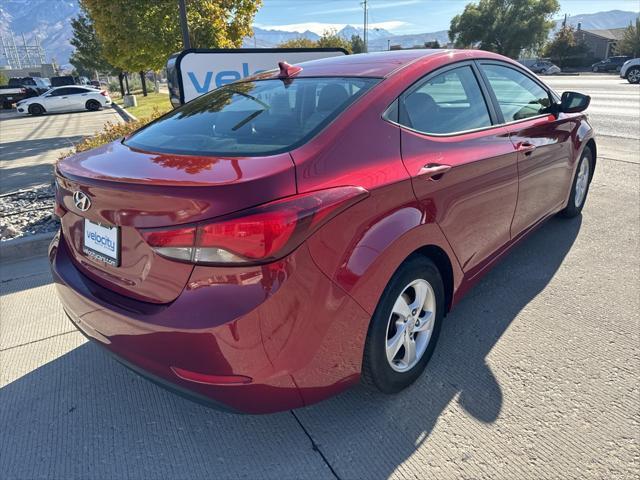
(183, 24)
(366, 26)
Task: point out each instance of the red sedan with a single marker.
(281, 238)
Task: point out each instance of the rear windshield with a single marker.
(251, 118)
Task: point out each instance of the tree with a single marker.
(630, 43)
(3, 79)
(87, 57)
(331, 39)
(503, 26)
(357, 44)
(432, 44)
(564, 49)
(140, 35)
(299, 42)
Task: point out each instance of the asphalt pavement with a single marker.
(30, 145)
(535, 374)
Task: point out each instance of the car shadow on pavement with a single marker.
(84, 415)
(35, 147)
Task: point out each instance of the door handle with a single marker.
(525, 147)
(434, 171)
(63, 97)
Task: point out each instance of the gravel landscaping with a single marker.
(27, 212)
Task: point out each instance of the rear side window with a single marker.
(448, 103)
(251, 118)
(518, 96)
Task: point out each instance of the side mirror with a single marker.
(574, 102)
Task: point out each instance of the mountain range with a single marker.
(52, 26)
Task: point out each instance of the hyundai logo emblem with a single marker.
(81, 201)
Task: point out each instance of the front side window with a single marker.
(251, 118)
(518, 96)
(447, 103)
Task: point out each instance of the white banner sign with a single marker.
(201, 72)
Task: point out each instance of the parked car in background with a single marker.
(545, 67)
(611, 64)
(95, 83)
(63, 80)
(20, 88)
(631, 70)
(229, 252)
(64, 99)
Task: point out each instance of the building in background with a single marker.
(601, 43)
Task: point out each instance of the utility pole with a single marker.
(366, 26)
(183, 24)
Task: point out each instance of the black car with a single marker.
(20, 88)
(611, 64)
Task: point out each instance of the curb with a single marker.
(25, 247)
(126, 116)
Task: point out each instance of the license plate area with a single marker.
(101, 242)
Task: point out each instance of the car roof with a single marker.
(376, 64)
(68, 86)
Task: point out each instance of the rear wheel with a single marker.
(93, 105)
(405, 326)
(633, 75)
(36, 109)
(580, 186)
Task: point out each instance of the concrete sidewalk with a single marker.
(535, 376)
(29, 146)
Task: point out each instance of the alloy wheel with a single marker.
(410, 325)
(634, 75)
(582, 182)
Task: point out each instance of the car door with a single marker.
(55, 100)
(76, 98)
(462, 165)
(541, 138)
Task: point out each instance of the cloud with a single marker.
(372, 6)
(321, 27)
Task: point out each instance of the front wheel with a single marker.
(405, 327)
(596, 69)
(633, 75)
(36, 109)
(580, 187)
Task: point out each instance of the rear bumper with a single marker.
(282, 326)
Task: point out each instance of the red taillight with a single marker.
(104, 93)
(258, 235)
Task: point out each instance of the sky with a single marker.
(396, 16)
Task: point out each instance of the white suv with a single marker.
(631, 70)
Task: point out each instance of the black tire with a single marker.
(633, 75)
(93, 105)
(573, 210)
(36, 109)
(596, 69)
(376, 369)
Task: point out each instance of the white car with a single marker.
(65, 99)
(631, 70)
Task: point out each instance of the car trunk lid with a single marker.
(131, 190)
